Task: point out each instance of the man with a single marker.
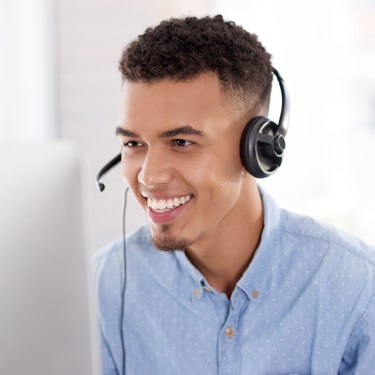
(221, 281)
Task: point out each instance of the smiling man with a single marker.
(221, 280)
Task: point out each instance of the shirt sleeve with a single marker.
(108, 366)
(359, 357)
(106, 289)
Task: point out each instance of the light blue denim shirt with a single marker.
(305, 305)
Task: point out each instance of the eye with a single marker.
(132, 144)
(182, 142)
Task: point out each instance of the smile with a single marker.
(165, 205)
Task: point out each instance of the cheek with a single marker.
(217, 178)
(222, 166)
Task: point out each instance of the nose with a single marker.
(155, 169)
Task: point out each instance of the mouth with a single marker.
(164, 205)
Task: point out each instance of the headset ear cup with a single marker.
(257, 147)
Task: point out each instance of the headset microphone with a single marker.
(105, 169)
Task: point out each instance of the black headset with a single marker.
(262, 142)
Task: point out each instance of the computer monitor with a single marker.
(47, 314)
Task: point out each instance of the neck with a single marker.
(228, 251)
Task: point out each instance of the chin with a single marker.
(165, 241)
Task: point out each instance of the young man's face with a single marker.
(181, 159)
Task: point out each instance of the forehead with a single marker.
(172, 102)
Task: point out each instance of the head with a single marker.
(189, 87)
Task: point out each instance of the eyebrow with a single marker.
(182, 130)
(125, 133)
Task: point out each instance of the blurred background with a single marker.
(59, 81)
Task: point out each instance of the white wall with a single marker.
(27, 70)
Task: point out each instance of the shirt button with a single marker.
(229, 332)
(255, 293)
(196, 292)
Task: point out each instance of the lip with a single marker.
(168, 216)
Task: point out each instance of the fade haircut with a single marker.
(181, 49)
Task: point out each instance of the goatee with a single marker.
(166, 242)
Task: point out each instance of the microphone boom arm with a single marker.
(105, 169)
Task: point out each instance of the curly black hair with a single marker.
(181, 49)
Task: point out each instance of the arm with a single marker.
(108, 366)
(107, 290)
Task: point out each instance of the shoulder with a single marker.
(337, 263)
(141, 257)
(319, 237)
(305, 249)
(140, 237)
(111, 256)
(299, 234)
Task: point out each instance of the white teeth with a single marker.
(154, 204)
(165, 205)
(162, 204)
